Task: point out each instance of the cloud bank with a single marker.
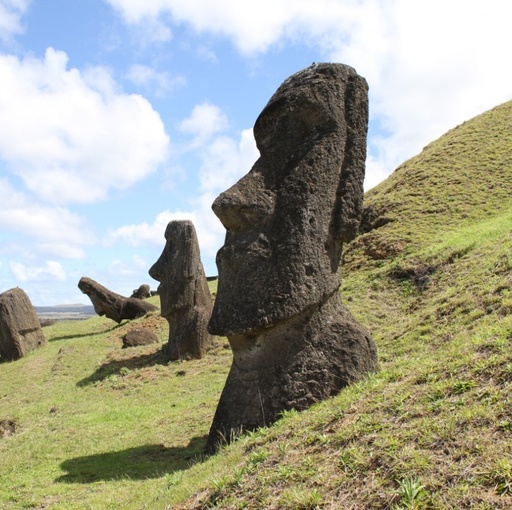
(71, 136)
(73, 140)
(430, 64)
(11, 12)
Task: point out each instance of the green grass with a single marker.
(90, 426)
(101, 427)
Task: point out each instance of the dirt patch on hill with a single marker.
(8, 427)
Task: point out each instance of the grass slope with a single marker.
(85, 424)
(89, 426)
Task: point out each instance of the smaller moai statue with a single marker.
(143, 292)
(20, 329)
(113, 305)
(185, 299)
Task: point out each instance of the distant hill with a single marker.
(65, 312)
(463, 177)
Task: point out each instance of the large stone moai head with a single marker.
(20, 329)
(185, 298)
(286, 221)
(287, 218)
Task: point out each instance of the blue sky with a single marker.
(118, 116)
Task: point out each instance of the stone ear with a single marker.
(348, 208)
(348, 205)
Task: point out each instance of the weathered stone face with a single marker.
(113, 305)
(178, 267)
(288, 217)
(20, 329)
(185, 298)
(286, 221)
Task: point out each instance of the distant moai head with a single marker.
(286, 220)
(177, 267)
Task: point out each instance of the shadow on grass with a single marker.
(82, 335)
(114, 367)
(139, 463)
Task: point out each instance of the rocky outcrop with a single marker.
(286, 221)
(143, 292)
(137, 337)
(20, 330)
(112, 305)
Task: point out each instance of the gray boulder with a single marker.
(137, 337)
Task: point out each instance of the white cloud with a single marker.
(144, 233)
(11, 12)
(127, 268)
(56, 230)
(252, 26)
(223, 161)
(207, 54)
(72, 136)
(52, 270)
(430, 64)
(205, 121)
(161, 82)
(133, 11)
(146, 16)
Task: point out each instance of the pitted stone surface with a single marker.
(278, 303)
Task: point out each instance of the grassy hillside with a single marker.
(88, 425)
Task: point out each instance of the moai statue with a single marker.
(113, 305)
(185, 299)
(20, 329)
(143, 292)
(278, 300)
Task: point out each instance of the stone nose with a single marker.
(245, 206)
(157, 270)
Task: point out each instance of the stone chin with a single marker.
(255, 294)
(165, 306)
